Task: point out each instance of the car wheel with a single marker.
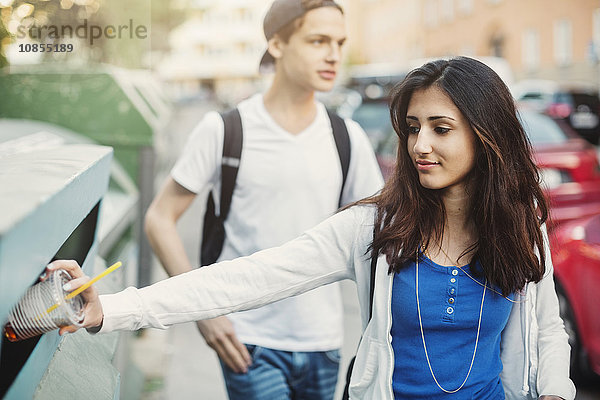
(580, 369)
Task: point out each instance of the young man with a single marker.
(289, 180)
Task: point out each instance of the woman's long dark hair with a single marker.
(507, 205)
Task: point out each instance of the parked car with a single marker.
(575, 248)
(577, 104)
(569, 167)
(568, 164)
(375, 81)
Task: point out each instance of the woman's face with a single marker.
(441, 142)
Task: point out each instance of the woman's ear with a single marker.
(275, 47)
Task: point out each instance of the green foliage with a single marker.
(3, 35)
(124, 50)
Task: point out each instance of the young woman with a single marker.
(464, 305)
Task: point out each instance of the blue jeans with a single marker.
(282, 375)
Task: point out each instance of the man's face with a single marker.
(312, 55)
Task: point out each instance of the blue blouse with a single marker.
(450, 302)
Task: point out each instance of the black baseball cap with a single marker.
(281, 13)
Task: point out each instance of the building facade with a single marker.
(550, 39)
(218, 47)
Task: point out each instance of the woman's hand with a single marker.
(92, 307)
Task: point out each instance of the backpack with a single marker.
(213, 230)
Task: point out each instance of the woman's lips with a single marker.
(424, 165)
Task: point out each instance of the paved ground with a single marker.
(177, 363)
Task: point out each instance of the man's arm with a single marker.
(161, 228)
(160, 224)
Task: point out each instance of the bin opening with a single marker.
(14, 355)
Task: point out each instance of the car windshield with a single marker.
(541, 129)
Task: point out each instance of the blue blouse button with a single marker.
(454, 272)
(451, 291)
(449, 310)
(453, 280)
(451, 300)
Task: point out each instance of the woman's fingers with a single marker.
(70, 266)
(93, 308)
(75, 283)
(67, 329)
(77, 275)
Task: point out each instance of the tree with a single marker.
(4, 35)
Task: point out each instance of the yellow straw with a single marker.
(87, 284)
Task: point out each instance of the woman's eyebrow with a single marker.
(432, 118)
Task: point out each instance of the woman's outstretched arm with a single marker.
(321, 255)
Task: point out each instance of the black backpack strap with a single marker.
(342, 143)
(374, 257)
(213, 227)
(230, 162)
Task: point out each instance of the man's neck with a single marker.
(292, 107)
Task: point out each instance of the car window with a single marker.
(586, 99)
(562, 97)
(541, 129)
(536, 99)
(533, 96)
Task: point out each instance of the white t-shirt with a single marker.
(286, 184)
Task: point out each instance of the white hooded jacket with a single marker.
(534, 345)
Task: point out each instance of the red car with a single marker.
(575, 250)
(569, 167)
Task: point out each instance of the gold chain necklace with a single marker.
(473, 279)
(423, 335)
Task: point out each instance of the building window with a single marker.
(200, 15)
(430, 13)
(465, 6)
(497, 45)
(447, 7)
(563, 38)
(531, 49)
(244, 15)
(596, 34)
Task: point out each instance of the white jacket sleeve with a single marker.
(322, 255)
(553, 341)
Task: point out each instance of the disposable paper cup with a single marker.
(29, 317)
